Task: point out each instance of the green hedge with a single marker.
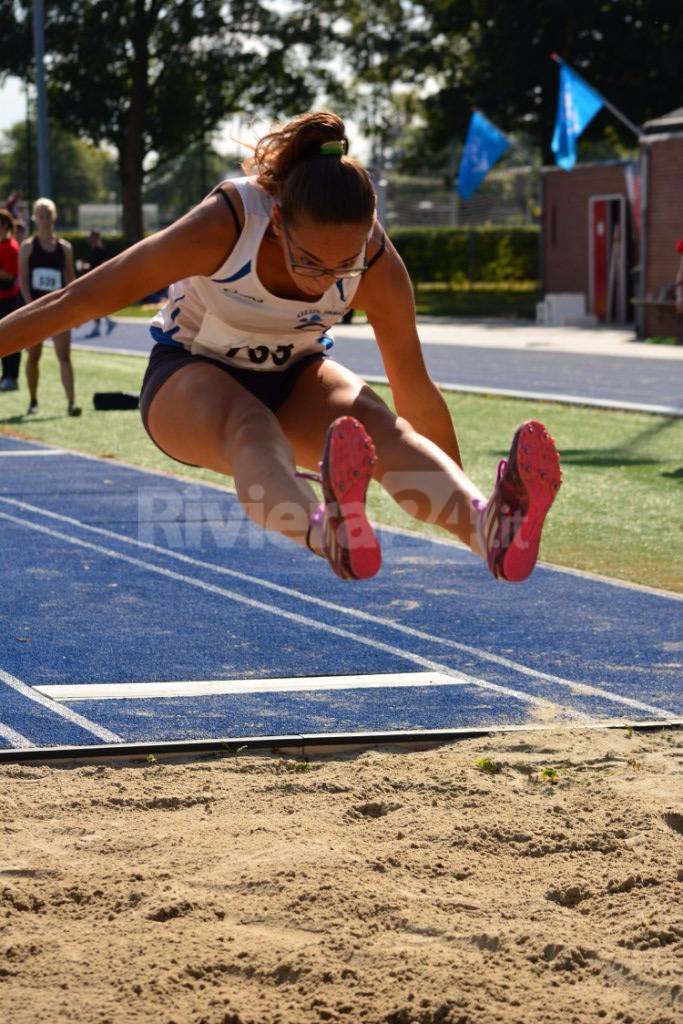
(454, 255)
(447, 255)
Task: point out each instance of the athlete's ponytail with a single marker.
(304, 165)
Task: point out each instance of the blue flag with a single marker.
(484, 145)
(577, 105)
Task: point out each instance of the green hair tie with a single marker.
(332, 149)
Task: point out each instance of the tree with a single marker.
(154, 77)
(495, 55)
(381, 50)
(81, 172)
(178, 184)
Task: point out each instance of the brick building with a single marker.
(602, 222)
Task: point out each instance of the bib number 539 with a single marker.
(46, 279)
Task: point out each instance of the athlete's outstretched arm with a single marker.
(386, 295)
(196, 244)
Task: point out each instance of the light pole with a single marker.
(44, 178)
(29, 151)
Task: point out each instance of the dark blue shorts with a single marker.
(272, 388)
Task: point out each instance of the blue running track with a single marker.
(115, 581)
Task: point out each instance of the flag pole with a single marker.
(610, 106)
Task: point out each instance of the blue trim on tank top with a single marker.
(166, 337)
(242, 272)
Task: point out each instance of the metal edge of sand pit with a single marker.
(298, 745)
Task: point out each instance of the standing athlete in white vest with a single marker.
(240, 382)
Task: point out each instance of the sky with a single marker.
(12, 103)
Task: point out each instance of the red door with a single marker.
(599, 242)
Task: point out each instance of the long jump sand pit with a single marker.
(524, 877)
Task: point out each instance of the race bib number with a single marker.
(259, 354)
(248, 350)
(46, 279)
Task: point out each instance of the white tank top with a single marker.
(231, 317)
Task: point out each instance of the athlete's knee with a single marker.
(389, 432)
(258, 451)
(383, 425)
(253, 427)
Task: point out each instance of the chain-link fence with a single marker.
(506, 198)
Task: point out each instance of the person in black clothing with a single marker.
(96, 257)
(10, 364)
(9, 293)
(45, 265)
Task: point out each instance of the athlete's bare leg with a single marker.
(32, 372)
(202, 416)
(419, 476)
(62, 343)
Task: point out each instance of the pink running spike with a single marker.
(510, 523)
(349, 542)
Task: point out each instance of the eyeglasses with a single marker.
(314, 270)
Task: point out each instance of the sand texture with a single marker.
(392, 886)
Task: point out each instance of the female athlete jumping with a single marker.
(240, 382)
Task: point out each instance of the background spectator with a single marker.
(96, 257)
(9, 293)
(45, 265)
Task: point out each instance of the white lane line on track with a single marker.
(14, 738)
(583, 689)
(33, 451)
(613, 404)
(71, 716)
(214, 687)
(300, 620)
(448, 542)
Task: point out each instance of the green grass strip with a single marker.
(147, 311)
(478, 299)
(619, 512)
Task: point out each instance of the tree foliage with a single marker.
(178, 184)
(81, 173)
(156, 76)
(494, 55)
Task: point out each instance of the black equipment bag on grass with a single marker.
(105, 400)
